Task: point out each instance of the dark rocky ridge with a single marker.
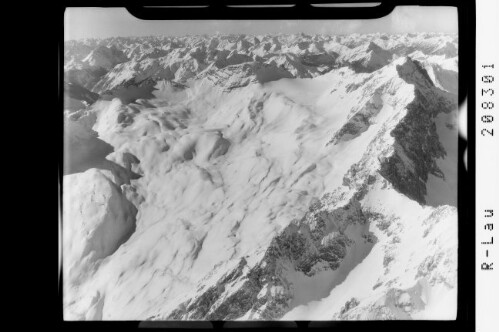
(301, 246)
(85, 77)
(416, 135)
(75, 91)
(417, 146)
(360, 121)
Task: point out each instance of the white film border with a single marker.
(487, 165)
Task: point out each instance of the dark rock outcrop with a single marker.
(313, 244)
(416, 137)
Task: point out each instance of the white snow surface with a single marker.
(235, 140)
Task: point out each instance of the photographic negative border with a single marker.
(302, 10)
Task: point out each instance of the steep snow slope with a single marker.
(245, 185)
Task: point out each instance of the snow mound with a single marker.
(97, 220)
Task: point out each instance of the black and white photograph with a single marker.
(260, 170)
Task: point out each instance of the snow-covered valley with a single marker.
(268, 177)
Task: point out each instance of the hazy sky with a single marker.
(113, 22)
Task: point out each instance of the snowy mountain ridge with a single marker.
(243, 177)
(182, 58)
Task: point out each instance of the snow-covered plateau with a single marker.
(269, 177)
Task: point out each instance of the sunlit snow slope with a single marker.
(261, 177)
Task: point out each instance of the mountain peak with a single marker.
(105, 57)
(413, 72)
(372, 46)
(367, 57)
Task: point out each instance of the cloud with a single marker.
(403, 19)
(109, 22)
(352, 26)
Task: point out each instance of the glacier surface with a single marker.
(267, 177)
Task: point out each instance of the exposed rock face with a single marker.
(361, 120)
(78, 92)
(315, 244)
(85, 77)
(417, 126)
